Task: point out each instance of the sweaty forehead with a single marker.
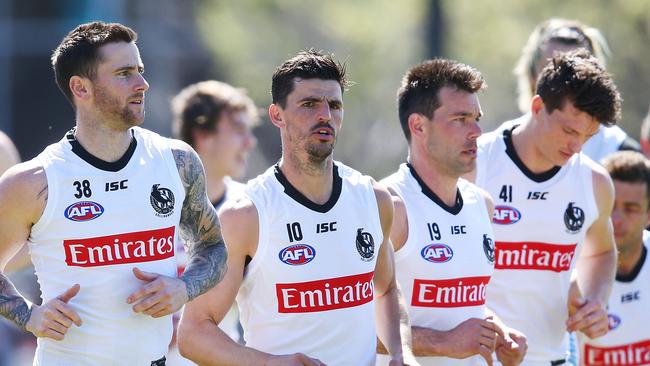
(316, 88)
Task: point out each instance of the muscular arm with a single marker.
(13, 306)
(393, 327)
(199, 337)
(199, 227)
(23, 194)
(597, 262)
(596, 266)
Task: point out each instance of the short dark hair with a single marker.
(309, 64)
(201, 106)
(77, 54)
(629, 167)
(421, 84)
(578, 77)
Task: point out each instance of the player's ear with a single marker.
(417, 124)
(536, 105)
(276, 115)
(81, 87)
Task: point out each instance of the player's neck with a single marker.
(523, 138)
(216, 186)
(314, 182)
(103, 142)
(443, 185)
(628, 259)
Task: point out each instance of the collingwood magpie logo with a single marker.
(365, 245)
(162, 200)
(574, 218)
(488, 248)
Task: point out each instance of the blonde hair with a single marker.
(568, 32)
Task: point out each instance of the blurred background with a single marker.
(241, 42)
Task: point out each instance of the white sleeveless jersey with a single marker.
(309, 287)
(607, 141)
(101, 220)
(628, 341)
(447, 260)
(540, 221)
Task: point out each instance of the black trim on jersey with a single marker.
(510, 151)
(97, 162)
(292, 192)
(219, 201)
(636, 270)
(629, 144)
(454, 210)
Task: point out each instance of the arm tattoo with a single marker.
(12, 305)
(200, 228)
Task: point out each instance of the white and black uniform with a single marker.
(447, 260)
(101, 220)
(607, 141)
(540, 223)
(628, 341)
(309, 287)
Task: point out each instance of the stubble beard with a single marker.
(316, 160)
(318, 155)
(109, 106)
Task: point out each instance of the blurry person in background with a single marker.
(562, 35)
(628, 339)
(216, 119)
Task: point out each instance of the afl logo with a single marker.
(614, 321)
(437, 253)
(506, 215)
(574, 218)
(296, 255)
(162, 200)
(84, 211)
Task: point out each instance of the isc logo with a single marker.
(437, 253)
(506, 215)
(297, 255)
(84, 211)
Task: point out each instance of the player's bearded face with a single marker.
(116, 108)
(308, 141)
(319, 151)
(313, 117)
